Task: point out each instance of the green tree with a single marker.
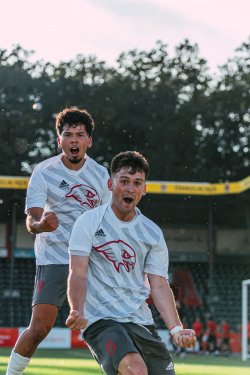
(224, 125)
(189, 125)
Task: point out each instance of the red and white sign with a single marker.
(58, 338)
(77, 340)
(8, 337)
(63, 338)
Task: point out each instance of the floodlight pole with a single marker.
(244, 332)
(211, 258)
(12, 261)
(13, 246)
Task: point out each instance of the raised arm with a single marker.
(164, 301)
(38, 221)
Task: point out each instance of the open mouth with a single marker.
(74, 150)
(128, 200)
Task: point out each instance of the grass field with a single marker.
(76, 362)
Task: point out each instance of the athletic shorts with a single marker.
(109, 341)
(50, 284)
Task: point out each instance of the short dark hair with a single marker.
(74, 116)
(132, 160)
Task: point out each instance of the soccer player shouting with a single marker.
(61, 188)
(113, 249)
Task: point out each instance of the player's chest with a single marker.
(76, 193)
(119, 249)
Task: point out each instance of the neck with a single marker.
(127, 217)
(73, 166)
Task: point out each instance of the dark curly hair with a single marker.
(74, 116)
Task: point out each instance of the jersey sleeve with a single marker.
(36, 192)
(82, 235)
(157, 260)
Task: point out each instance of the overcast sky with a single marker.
(60, 29)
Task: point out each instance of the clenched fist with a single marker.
(185, 338)
(75, 320)
(48, 222)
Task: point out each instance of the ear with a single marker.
(110, 184)
(59, 142)
(144, 190)
(90, 142)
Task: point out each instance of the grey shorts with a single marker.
(109, 341)
(50, 284)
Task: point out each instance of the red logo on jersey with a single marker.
(119, 253)
(84, 194)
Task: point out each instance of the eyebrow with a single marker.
(79, 131)
(137, 178)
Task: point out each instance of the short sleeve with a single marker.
(36, 192)
(82, 234)
(157, 259)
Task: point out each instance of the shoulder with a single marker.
(152, 229)
(37, 177)
(96, 166)
(48, 163)
(94, 215)
(150, 223)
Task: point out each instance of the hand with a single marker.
(185, 338)
(75, 320)
(48, 222)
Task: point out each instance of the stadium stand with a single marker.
(225, 302)
(213, 232)
(15, 303)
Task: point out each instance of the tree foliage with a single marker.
(190, 125)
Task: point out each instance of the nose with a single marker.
(130, 187)
(74, 138)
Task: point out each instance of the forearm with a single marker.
(76, 292)
(33, 225)
(164, 301)
(39, 221)
(33, 220)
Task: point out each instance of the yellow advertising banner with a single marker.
(9, 182)
(159, 187)
(196, 188)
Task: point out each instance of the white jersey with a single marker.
(68, 194)
(121, 254)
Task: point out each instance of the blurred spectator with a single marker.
(225, 338)
(211, 331)
(198, 328)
